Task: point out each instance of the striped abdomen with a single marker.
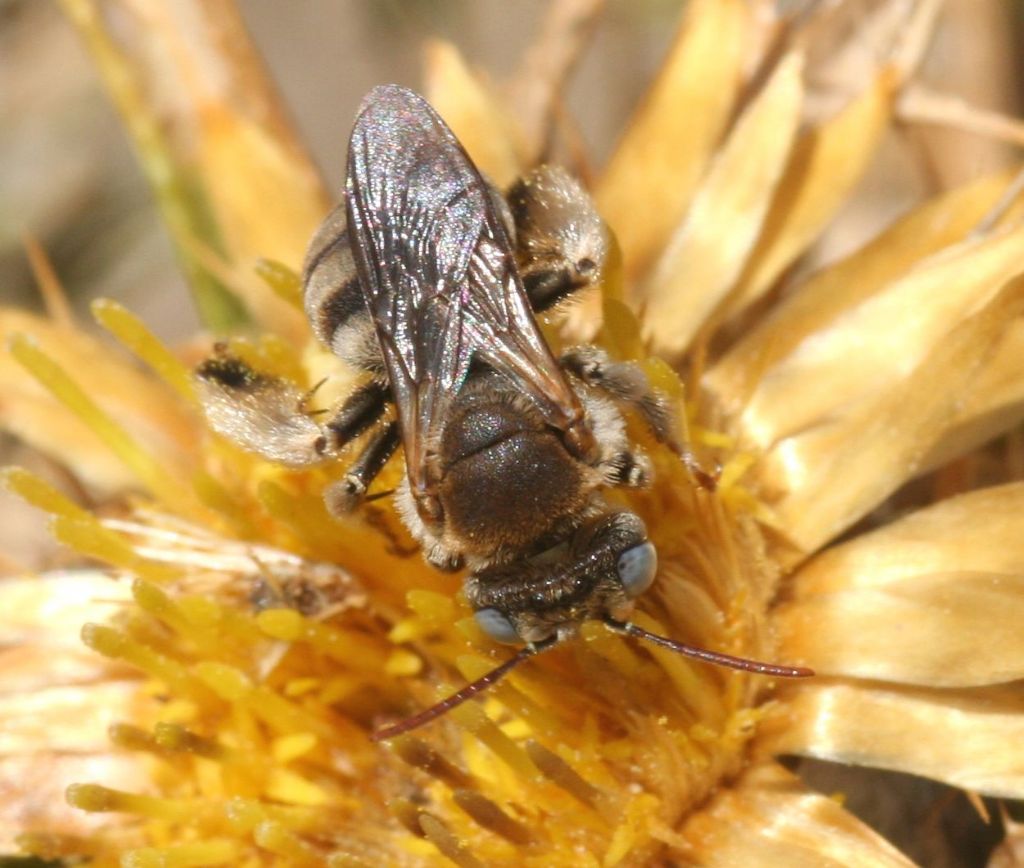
(333, 297)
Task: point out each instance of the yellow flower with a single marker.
(251, 641)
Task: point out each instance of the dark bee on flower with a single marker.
(427, 279)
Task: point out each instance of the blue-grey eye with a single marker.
(636, 567)
(497, 626)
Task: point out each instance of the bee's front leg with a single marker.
(626, 383)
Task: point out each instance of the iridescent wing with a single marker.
(437, 270)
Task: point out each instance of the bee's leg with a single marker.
(343, 496)
(561, 243)
(267, 414)
(548, 284)
(548, 278)
(259, 412)
(629, 467)
(626, 383)
(359, 412)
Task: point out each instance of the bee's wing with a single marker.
(435, 264)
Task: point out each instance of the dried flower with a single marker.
(242, 665)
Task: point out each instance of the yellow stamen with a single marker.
(217, 852)
(132, 334)
(282, 280)
(149, 471)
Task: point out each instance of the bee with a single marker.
(429, 280)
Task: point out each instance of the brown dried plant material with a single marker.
(922, 106)
(1010, 853)
(846, 41)
(536, 90)
(54, 296)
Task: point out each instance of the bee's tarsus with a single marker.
(708, 480)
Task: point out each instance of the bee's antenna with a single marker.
(467, 692)
(630, 629)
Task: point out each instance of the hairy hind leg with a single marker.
(267, 414)
(561, 243)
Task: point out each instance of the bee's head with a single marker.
(607, 564)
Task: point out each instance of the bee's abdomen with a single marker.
(507, 482)
(333, 297)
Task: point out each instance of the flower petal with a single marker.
(474, 114)
(935, 599)
(247, 166)
(888, 334)
(953, 629)
(39, 642)
(966, 738)
(57, 701)
(143, 407)
(873, 420)
(824, 167)
(707, 252)
(981, 530)
(34, 804)
(768, 818)
(828, 294)
(648, 182)
(994, 404)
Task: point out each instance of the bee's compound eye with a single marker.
(497, 626)
(637, 566)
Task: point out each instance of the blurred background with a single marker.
(69, 179)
